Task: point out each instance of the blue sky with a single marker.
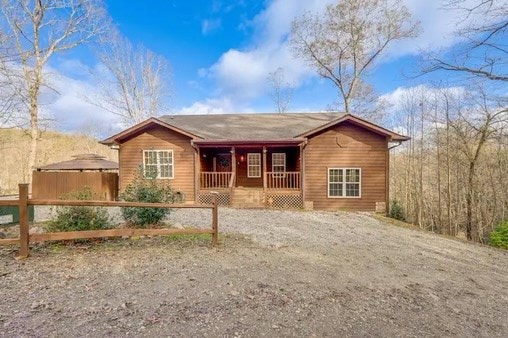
(221, 53)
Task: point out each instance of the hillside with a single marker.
(53, 147)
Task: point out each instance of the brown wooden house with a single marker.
(324, 161)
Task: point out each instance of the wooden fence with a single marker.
(25, 238)
(53, 184)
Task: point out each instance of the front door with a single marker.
(223, 162)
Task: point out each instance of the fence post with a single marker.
(23, 221)
(215, 219)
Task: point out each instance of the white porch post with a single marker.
(197, 173)
(264, 170)
(233, 163)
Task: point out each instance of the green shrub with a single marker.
(499, 237)
(396, 211)
(146, 189)
(76, 218)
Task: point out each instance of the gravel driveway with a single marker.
(275, 273)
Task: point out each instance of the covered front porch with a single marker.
(251, 175)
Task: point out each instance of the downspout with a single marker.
(395, 145)
(116, 147)
(196, 164)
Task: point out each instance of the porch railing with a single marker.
(215, 180)
(283, 180)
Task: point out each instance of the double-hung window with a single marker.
(253, 165)
(158, 163)
(278, 164)
(344, 182)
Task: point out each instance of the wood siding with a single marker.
(158, 138)
(346, 146)
(54, 184)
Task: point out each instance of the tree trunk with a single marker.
(421, 221)
(34, 134)
(438, 150)
(469, 201)
(448, 179)
(33, 97)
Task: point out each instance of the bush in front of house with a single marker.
(146, 188)
(396, 211)
(499, 237)
(77, 218)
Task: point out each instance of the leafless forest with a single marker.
(451, 177)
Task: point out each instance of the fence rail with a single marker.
(25, 238)
(283, 180)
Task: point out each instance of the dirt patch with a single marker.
(274, 274)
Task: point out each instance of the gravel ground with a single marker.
(275, 273)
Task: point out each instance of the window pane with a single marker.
(254, 171)
(278, 162)
(151, 171)
(150, 157)
(335, 175)
(163, 157)
(352, 189)
(353, 175)
(335, 189)
(253, 159)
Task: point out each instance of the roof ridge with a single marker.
(256, 113)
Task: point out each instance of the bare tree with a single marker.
(451, 174)
(343, 43)
(474, 128)
(135, 85)
(35, 31)
(282, 90)
(9, 101)
(483, 50)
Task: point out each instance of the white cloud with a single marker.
(209, 106)
(67, 105)
(438, 26)
(398, 97)
(242, 73)
(210, 25)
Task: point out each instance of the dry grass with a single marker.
(53, 147)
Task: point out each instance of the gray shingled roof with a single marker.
(249, 126)
(83, 162)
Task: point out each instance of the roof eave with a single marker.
(400, 138)
(247, 142)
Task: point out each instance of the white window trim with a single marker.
(253, 165)
(343, 183)
(279, 173)
(158, 164)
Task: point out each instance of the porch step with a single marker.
(247, 198)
